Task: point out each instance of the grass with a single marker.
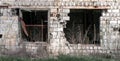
(59, 58)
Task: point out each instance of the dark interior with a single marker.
(84, 26)
(0, 35)
(36, 24)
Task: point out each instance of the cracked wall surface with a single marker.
(59, 10)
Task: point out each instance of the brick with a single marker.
(51, 29)
(53, 18)
(102, 22)
(109, 10)
(113, 22)
(4, 18)
(118, 21)
(54, 34)
(66, 10)
(60, 29)
(54, 41)
(53, 25)
(10, 42)
(53, 10)
(60, 26)
(55, 29)
(66, 18)
(9, 36)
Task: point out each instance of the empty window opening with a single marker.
(36, 23)
(84, 26)
(0, 35)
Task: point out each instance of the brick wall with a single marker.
(58, 43)
(9, 30)
(110, 25)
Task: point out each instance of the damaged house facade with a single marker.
(60, 26)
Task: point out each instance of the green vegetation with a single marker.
(59, 58)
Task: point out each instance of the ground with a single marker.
(60, 58)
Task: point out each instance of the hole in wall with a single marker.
(35, 25)
(84, 26)
(0, 35)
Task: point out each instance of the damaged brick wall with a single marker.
(9, 30)
(108, 21)
(58, 42)
(109, 24)
(110, 28)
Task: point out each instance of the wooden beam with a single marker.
(89, 7)
(3, 6)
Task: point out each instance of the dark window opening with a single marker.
(0, 35)
(84, 26)
(36, 22)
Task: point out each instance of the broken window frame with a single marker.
(48, 16)
(102, 10)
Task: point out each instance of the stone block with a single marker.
(53, 18)
(66, 10)
(60, 26)
(118, 21)
(10, 22)
(66, 18)
(54, 42)
(60, 29)
(58, 36)
(10, 36)
(116, 10)
(6, 21)
(10, 43)
(14, 27)
(56, 29)
(3, 18)
(113, 22)
(53, 10)
(54, 34)
(31, 48)
(53, 25)
(102, 22)
(65, 0)
(110, 10)
(51, 29)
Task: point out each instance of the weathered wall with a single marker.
(9, 30)
(57, 23)
(58, 18)
(110, 28)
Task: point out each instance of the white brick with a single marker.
(53, 18)
(113, 22)
(60, 29)
(53, 25)
(116, 10)
(60, 26)
(118, 21)
(53, 10)
(103, 22)
(54, 41)
(66, 10)
(54, 34)
(109, 10)
(51, 29)
(66, 18)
